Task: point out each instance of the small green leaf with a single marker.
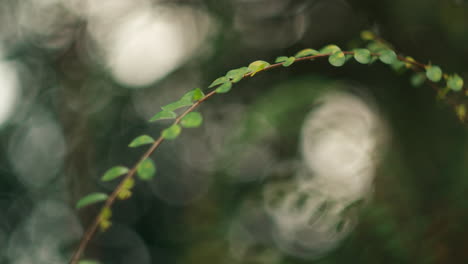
(171, 132)
(146, 169)
(218, 81)
(189, 96)
(226, 87)
(418, 79)
(330, 49)
(337, 59)
(257, 66)
(281, 59)
(455, 82)
(376, 47)
(367, 35)
(88, 261)
(289, 62)
(362, 56)
(114, 172)
(237, 74)
(388, 56)
(442, 93)
(398, 66)
(141, 140)
(306, 52)
(90, 199)
(197, 94)
(193, 119)
(178, 104)
(434, 73)
(164, 114)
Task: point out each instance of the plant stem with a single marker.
(91, 230)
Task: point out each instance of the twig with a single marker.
(91, 230)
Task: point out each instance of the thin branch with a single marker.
(91, 230)
(110, 201)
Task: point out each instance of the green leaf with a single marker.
(178, 104)
(337, 59)
(237, 74)
(164, 114)
(388, 56)
(306, 52)
(193, 119)
(88, 261)
(218, 81)
(171, 132)
(362, 56)
(90, 199)
(330, 49)
(376, 47)
(434, 73)
(455, 82)
(141, 140)
(289, 62)
(418, 79)
(257, 66)
(281, 59)
(114, 172)
(189, 96)
(367, 35)
(146, 169)
(197, 94)
(226, 87)
(398, 66)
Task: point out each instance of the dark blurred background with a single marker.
(310, 164)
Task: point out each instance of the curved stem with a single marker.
(110, 201)
(91, 230)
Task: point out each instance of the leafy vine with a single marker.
(145, 169)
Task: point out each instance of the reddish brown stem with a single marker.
(91, 230)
